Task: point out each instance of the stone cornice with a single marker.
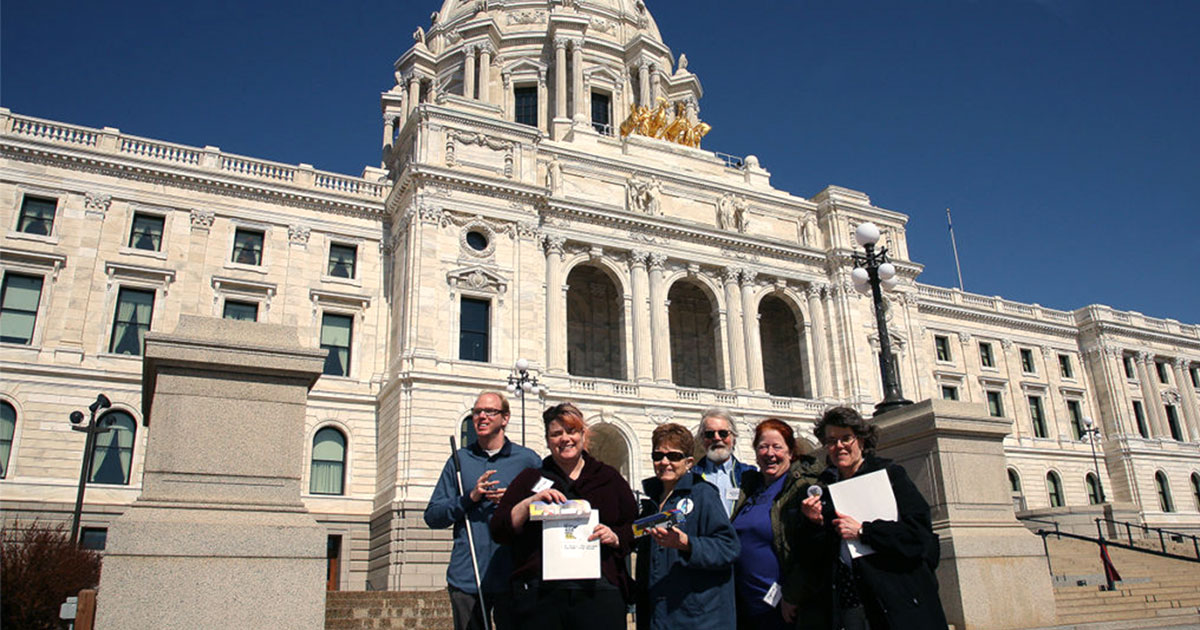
(1141, 334)
(1008, 321)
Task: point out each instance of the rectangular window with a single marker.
(995, 404)
(1037, 416)
(1076, 412)
(941, 344)
(1139, 416)
(37, 215)
(985, 355)
(135, 307)
(1195, 372)
(1027, 365)
(342, 260)
(246, 311)
(19, 301)
(601, 118)
(949, 392)
(147, 232)
(474, 324)
(93, 538)
(1161, 368)
(525, 102)
(1173, 423)
(336, 334)
(1127, 361)
(247, 246)
(1065, 367)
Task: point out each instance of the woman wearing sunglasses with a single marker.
(684, 572)
(770, 580)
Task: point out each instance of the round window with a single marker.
(477, 240)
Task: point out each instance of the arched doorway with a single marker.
(607, 444)
(694, 351)
(783, 352)
(595, 317)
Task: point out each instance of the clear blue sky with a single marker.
(1063, 134)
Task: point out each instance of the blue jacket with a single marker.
(447, 508)
(688, 590)
(706, 467)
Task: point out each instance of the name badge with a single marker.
(732, 494)
(542, 484)
(774, 594)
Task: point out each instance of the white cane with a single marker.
(470, 535)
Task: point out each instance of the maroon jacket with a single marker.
(601, 486)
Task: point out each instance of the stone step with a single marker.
(380, 610)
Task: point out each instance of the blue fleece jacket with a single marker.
(692, 590)
(447, 508)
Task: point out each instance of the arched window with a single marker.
(112, 452)
(606, 444)
(1054, 488)
(694, 350)
(466, 432)
(1093, 489)
(783, 344)
(8, 426)
(1196, 490)
(1164, 492)
(328, 462)
(1014, 486)
(595, 314)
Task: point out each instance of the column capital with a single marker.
(964, 337)
(657, 260)
(554, 244)
(748, 276)
(560, 42)
(730, 275)
(1180, 363)
(1006, 343)
(486, 48)
(1143, 357)
(638, 258)
(469, 50)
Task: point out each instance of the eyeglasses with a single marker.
(490, 412)
(845, 440)
(672, 456)
(723, 433)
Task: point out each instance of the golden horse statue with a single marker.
(659, 123)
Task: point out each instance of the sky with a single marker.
(1062, 134)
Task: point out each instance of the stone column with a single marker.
(820, 369)
(219, 537)
(734, 329)
(560, 77)
(556, 324)
(414, 93)
(1118, 400)
(644, 84)
(1187, 394)
(643, 354)
(655, 84)
(754, 367)
(577, 79)
(992, 572)
(389, 130)
(469, 71)
(485, 73)
(1150, 396)
(660, 328)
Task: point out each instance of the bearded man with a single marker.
(719, 466)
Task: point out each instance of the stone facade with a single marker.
(643, 279)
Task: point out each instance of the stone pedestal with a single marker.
(993, 570)
(219, 537)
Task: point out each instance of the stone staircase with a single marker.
(1155, 592)
(368, 610)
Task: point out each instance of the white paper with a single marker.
(542, 484)
(774, 594)
(566, 552)
(866, 498)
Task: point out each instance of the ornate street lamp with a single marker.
(92, 430)
(872, 275)
(521, 383)
(1092, 433)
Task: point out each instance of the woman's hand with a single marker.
(605, 535)
(674, 538)
(811, 507)
(549, 495)
(847, 527)
(788, 611)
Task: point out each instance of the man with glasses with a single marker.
(488, 465)
(719, 466)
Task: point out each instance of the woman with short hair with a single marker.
(570, 472)
(894, 587)
(685, 572)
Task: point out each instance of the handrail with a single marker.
(1162, 533)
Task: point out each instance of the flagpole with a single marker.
(954, 245)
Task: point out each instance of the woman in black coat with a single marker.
(895, 587)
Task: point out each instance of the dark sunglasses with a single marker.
(673, 456)
(724, 433)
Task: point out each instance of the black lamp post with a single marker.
(521, 383)
(1092, 432)
(873, 274)
(92, 430)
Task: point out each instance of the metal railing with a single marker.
(1163, 534)
(731, 161)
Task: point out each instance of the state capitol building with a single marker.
(644, 277)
